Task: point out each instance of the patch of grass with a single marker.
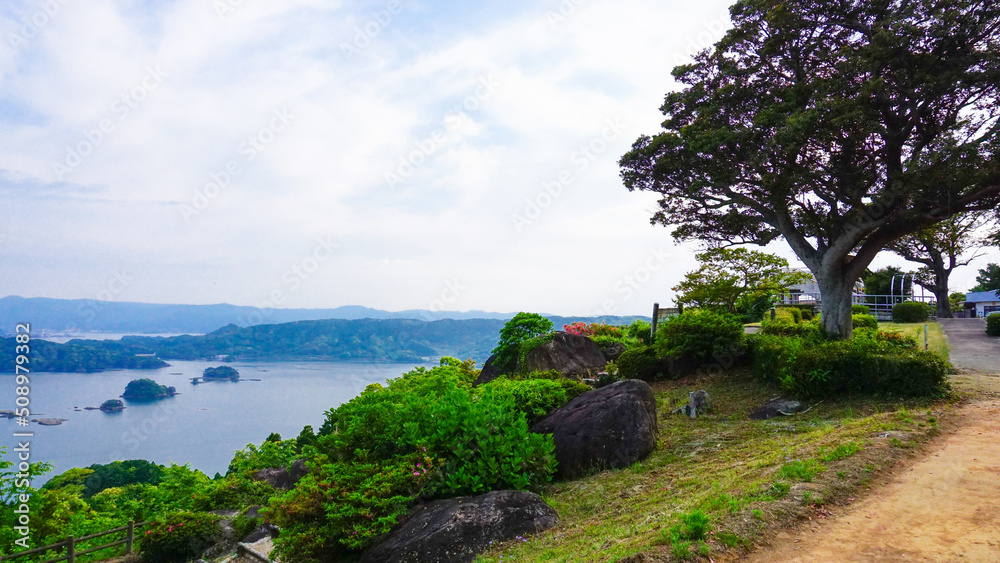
(937, 342)
(897, 443)
(801, 470)
(843, 451)
(735, 471)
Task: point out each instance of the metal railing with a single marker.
(70, 545)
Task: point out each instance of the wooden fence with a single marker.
(70, 545)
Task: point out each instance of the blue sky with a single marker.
(310, 153)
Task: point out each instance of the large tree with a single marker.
(941, 249)
(838, 125)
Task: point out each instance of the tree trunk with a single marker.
(837, 301)
(941, 293)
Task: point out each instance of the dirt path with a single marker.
(944, 507)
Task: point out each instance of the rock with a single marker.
(610, 427)
(570, 354)
(776, 407)
(489, 371)
(112, 405)
(263, 531)
(697, 399)
(283, 477)
(613, 350)
(455, 530)
(50, 421)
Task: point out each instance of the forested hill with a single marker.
(376, 340)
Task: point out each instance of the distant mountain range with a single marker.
(85, 315)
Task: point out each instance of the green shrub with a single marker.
(864, 321)
(636, 363)
(795, 313)
(695, 525)
(784, 326)
(178, 537)
(993, 324)
(910, 312)
(813, 367)
(345, 507)
(640, 330)
(861, 310)
(533, 397)
(807, 314)
(699, 335)
(244, 526)
(234, 492)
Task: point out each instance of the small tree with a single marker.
(521, 328)
(942, 248)
(733, 279)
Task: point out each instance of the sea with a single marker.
(203, 425)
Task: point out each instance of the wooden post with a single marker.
(774, 313)
(130, 537)
(70, 550)
(656, 316)
(925, 338)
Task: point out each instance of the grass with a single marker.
(936, 340)
(743, 476)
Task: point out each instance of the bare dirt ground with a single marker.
(945, 506)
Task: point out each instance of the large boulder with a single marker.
(283, 477)
(570, 354)
(777, 407)
(613, 351)
(455, 530)
(489, 371)
(611, 427)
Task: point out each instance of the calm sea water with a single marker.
(203, 425)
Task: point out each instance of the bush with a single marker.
(533, 397)
(910, 312)
(637, 363)
(343, 507)
(861, 310)
(795, 312)
(178, 537)
(640, 330)
(993, 324)
(699, 335)
(785, 326)
(812, 367)
(864, 321)
(807, 314)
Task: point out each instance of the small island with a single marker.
(112, 405)
(147, 390)
(220, 373)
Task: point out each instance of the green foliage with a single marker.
(988, 279)
(795, 313)
(700, 335)
(221, 372)
(880, 282)
(269, 454)
(993, 324)
(861, 310)
(843, 451)
(736, 280)
(521, 328)
(640, 330)
(533, 397)
(799, 470)
(146, 390)
(910, 312)
(180, 486)
(234, 492)
(866, 364)
(112, 404)
(637, 362)
(695, 525)
(864, 321)
(94, 479)
(244, 526)
(342, 507)
(784, 325)
(177, 537)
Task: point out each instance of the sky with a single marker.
(311, 154)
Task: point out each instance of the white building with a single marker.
(986, 302)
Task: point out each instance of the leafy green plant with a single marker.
(640, 330)
(637, 363)
(993, 324)
(860, 310)
(533, 397)
(176, 537)
(695, 525)
(910, 312)
(699, 335)
(864, 321)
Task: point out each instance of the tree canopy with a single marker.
(988, 278)
(838, 126)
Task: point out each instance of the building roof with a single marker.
(982, 297)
